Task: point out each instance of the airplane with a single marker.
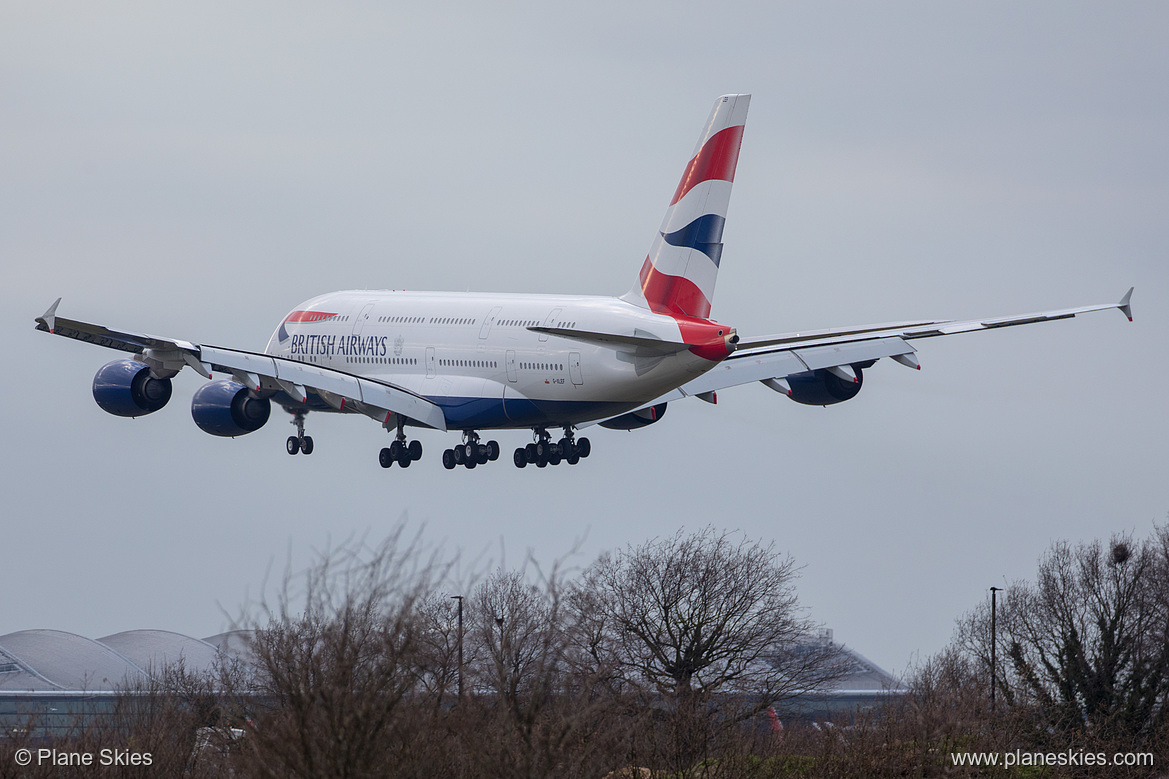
(474, 362)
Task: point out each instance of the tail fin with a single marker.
(679, 274)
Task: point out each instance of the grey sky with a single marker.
(196, 172)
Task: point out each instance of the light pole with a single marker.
(459, 598)
(993, 641)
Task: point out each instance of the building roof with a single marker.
(53, 660)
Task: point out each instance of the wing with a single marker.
(260, 372)
(774, 359)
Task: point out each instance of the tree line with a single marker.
(672, 658)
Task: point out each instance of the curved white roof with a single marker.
(152, 650)
(47, 660)
(68, 661)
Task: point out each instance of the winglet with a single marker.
(1124, 305)
(49, 318)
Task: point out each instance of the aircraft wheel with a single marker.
(572, 458)
(530, 453)
(448, 459)
(520, 458)
(470, 464)
(404, 458)
(471, 452)
(554, 455)
(396, 449)
(292, 444)
(415, 450)
(384, 458)
(458, 453)
(493, 450)
(484, 454)
(541, 462)
(306, 445)
(584, 447)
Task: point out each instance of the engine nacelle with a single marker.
(822, 388)
(635, 419)
(125, 388)
(227, 409)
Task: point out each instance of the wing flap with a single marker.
(377, 398)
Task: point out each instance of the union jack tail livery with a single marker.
(679, 274)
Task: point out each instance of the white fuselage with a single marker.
(473, 354)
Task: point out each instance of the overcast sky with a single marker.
(197, 170)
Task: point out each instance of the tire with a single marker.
(484, 454)
(396, 449)
(520, 458)
(541, 463)
(572, 458)
(530, 453)
(415, 450)
(470, 464)
(584, 447)
(492, 450)
(383, 457)
(292, 444)
(542, 449)
(457, 453)
(448, 459)
(306, 445)
(471, 452)
(404, 458)
(554, 455)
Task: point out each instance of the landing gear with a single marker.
(542, 452)
(401, 451)
(300, 442)
(470, 453)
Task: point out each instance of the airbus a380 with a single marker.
(475, 362)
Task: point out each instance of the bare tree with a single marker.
(1086, 645)
(335, 661)
(692, 616)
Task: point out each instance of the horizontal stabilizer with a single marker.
(615, 340)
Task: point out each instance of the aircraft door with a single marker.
(430, 362)
(512, 374)
(550, 322)
(488, 322)
(359, 321)
(574, 368)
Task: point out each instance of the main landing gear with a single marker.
(470, 453)
(300, 442)
(542, 452)
(400, 451)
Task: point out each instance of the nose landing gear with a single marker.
(542, 452)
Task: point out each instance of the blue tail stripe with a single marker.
(704, 234)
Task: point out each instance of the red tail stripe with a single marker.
(716, 160)
(668, 294)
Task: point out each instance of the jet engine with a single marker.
(635, 419)
(228, 409)
(125, 388)
(823, 388)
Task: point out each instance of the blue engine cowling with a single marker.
(125, 388)
(635, 419)
(226, 408)
(821, 388)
